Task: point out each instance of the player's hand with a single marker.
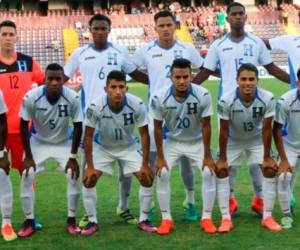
(269, 162)
(27, 164)
(222, 168)
(90, 177)
(284, 167)
(73, 165)
(145, 176)
(209, 162)
(160, 164)
(4, 163)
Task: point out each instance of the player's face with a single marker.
(165, 28)
(54, 83)
(8, 38)
(181, 79)
(247, 81)
(100, 30)
(116, 91)
(237, 17)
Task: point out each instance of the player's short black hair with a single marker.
(99, 17)
(247, 67)
(8, 23)
(164, 13)
(298, 74)
(181, 63)
(54, 66)
(234, 4)
(116, 75)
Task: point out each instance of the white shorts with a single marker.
(42, 152)
(129, 159)
(174, 151)
(253, 153)
(293, 155)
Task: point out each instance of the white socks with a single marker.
(163, 193)
(27, 193)
(269, 194)
(90, 202)
(73, 193)
(187, 175)
(284, 192)
(232, 180)
(223, 196)
(257, 179)
(124, 191)
(208, 192)
(6, 200)
(145, 198)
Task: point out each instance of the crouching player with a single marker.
(50, 108)
(115, 115)
(246, 115)
(185, 109)
(288, 147)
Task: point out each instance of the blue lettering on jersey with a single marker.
(22, 65)
(128, 119)
(62, 110)
(248, 49)
(192, 108)
(112, 58)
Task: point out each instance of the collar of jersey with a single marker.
(190, 91)
(157, 43)
(230, 38)
(9, 62)
(239, 97)
(117, 112)
(91, 45)
(45, 94)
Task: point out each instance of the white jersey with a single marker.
(291, 45)
(94, 66)
(182, 119)
(158, 62)
(228, 55)
(288, 113)
(246, 123)
(116, 129)
(51, 121)
(3, 107)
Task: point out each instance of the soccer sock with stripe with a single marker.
(6, 200)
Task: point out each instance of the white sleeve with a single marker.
(26, 111)
(207, 105)
(76, 110)
(212, 59)
(91, 116)
(138, 58)
(155, 109)
(279, 43)
(128, 66)
(141, 116)
(281, 111)
(72, 65)
(223, 110)
(195, 57)
(264, 57)
(270, 108)
(3, 107)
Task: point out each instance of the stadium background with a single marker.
(51, 30)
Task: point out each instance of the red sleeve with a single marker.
(38, 75)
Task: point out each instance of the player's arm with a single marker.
(158, 136)
(139, 76)
(267, 43)
(28, 160)
(4, 163)
(202, 76)
(72, 163)
(277, 72)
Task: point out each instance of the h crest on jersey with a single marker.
(248, 49)
(178, 54)
(63, 110)
(22, 65)
(257, 112)
(112, 58)
(128, 119)
(191, 108)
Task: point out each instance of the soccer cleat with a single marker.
(226, 226)
(127, 216)
(233, 206)
(83, 221)
(271, 224)
(208, 226)
(72, 228)
(293, 204)
(8, 233)
(37, 225)
(287, 222)
(27, 229)
(257, 205)
(190, 213)
(90, 229)
(166, 227)
(147, 226)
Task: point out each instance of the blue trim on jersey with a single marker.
(179, 44)
(43, 94)
(188, 94)
(85, 49)
(152, 46)
(192, 93)
(247, 35)
(156, 42)
(258, 98)
(292, 74)
(63, 96)
(297, 98)
(83, 99)
(126, 104)
(220, 88)
(169, 94)
(223, 40)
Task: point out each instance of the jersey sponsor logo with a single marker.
(128, 119)
(171, 107)
(226, 49)
(89, 58)
(112, 58)
(41, 109)
(295, 110)
(192, 108)
(257, 112)
(237, 111)
(107, 117)
(248, 49)
(157, 55)
(63, 110)
(3, 70)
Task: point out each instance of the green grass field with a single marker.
(114, 234)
